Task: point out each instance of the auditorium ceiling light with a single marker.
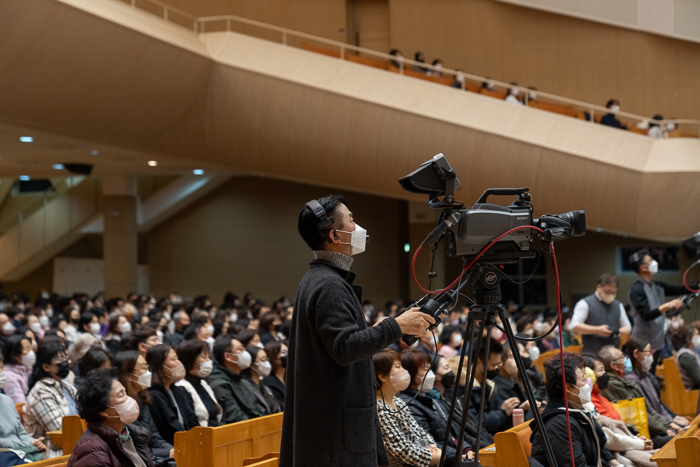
(95, 152)
(58, 166)
(26, 139)
(153, 163)
(198, 172)
(25, 178)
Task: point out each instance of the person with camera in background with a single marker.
(600, 318)
(330, 413)
(649, 305)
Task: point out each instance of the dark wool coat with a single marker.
(100, 446)
(330, 413)
(164, 412)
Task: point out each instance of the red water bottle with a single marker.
(518, 417)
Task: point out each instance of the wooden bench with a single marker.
(510, 449)
(674, 394)
(269, 459)
(55, 462)
(555, 108)
(20, 412)
(550, 354)
(274, 462)
(228, 445)
(72, 428)
(683, 450)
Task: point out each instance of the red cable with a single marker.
(686, 283)
(561, 353)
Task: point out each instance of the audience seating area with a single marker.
(674, 394)
(683, 450)
(511, 448)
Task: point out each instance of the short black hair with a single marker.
(85, 318)
(494, 347)
(308, 222)
(223, 345)
(13, 348)
(192, 330)
(522, 323)
(552, 371)
(447, 332)
(132, 340)
(93, 359)
(93, 394)
(189, 350)
(612, 102)
(637, 259)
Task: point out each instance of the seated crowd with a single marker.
(139, 370)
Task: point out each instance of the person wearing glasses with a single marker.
(51, 394)
(648, 302)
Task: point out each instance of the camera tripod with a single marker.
(482, 317)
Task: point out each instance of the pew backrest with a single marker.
(675, 395)
(674, 453)
(54, 462)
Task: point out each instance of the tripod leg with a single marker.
(528, 391)
(482, 402)
(453, 403)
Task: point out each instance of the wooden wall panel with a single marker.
(579, 59)
(243, 237)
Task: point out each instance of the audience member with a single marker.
(427, 343)
(458, 82)
(133, 374)
(420, 58)
(172, 407)
(532, 96)
(118, 327)
(83, 342)
(180, 321)
(437, 71)
(51, 394)
(13, 434)
(610, 119)
(94, 358)
(195, 355)
(587, 436)
(451, 341)
(509, 384)
(19, 359)
(396, 53)
(655, 130)
(269, 323)
(513, 94)
(277, 355)
(602, 379)
(400, 432)
(141, 339)
(233, 393)
(686, 340)
(259, 369)
(111, 439)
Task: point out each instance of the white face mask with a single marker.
(429, 382)
(205, 369)
(607, 298)
(671, 126)
(400, 381)
(125, 327)
(534, 353)
(539, 326)
(515, 92)
(584, 393)
(653, 267)
(95, 328)
(244, 360)
(3, 379)
(615, 109)
(529, 332)
(160, 336)
(646, 363)
(259, 345)
(264, 369)
(49, 312)
(211, 329)
(456, 339)
(496, 333)
(234, 317)
(36, 327)
(210, 341)
(144, 380)
(696, 341)
(8, 328)
(29, 359)
(358, 239)
(44, 322)
(533, 96)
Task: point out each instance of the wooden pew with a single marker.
(674, 394)
(539, 364)
(679, 451)
(18, 408)
(274, 462)
(228, 445)
(72, 428)
(260, 460)
(511, 448)
(55, 462)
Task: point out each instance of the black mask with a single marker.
(63, 369)
(283, 361)
(448, 380)
(603, 381)
(491, 374)
(527, 363)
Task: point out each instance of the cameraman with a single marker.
(600, 318)
(649, 305)
(330, 414)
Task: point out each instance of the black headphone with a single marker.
(637, 258)
(324, 220)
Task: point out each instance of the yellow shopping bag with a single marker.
(634, 412)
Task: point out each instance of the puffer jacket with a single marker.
(101, 446)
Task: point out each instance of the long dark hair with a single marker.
(44, 354)
(632, 344)
(125, 362)
(254, 351)
(155, 357)
(13, 348)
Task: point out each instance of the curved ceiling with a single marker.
(237, 102)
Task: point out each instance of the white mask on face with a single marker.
(584, 393)
(244, 360)
(205, 369)
(210, 341)
(646, 363)
(264, 369)
(671, 126)
(144, 380)
(496, 333)
(615, 109)
(160, 336)
(8, 329)
(95, 328)
(358, 239)
(533, 95)
(515, 92)
(429, 382)
(696, 341)
(529, 332)
(456, 339)
(44, 322)
(49, 312)
(125, 327)
(534, 353)
(401, 380)
(653, 267)
(35, 327)
(29, 359)
(211, 329)
(259, 345)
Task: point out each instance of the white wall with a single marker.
(74, 275)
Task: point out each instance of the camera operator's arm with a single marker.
(336, 320)
(625, 325)
(675, 290)
(641, 304)
(578, 322)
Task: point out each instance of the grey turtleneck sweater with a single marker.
(338, 259)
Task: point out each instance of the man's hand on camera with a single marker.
(414, 323)
(672, 305)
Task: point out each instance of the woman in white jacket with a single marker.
(195, 356)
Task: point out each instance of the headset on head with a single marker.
(637, 258)
(324, 220)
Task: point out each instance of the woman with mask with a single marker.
(269, 323)
(509, 384)
(406, 443)
(118, 326)
(641, 356)
(133, 374)
(51, 394)
(195, 356)
(423, 401)
(685, 340)
(19, 359)
(259, 369)
(89, 324)
(587, 437)
(111, 439)
(602, 380)
(450, 341)
(12, 433)
(277, 356)
(172, 407)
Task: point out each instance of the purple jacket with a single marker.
(16, 386)
(100, 446)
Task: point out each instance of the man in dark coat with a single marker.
(330, 416)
